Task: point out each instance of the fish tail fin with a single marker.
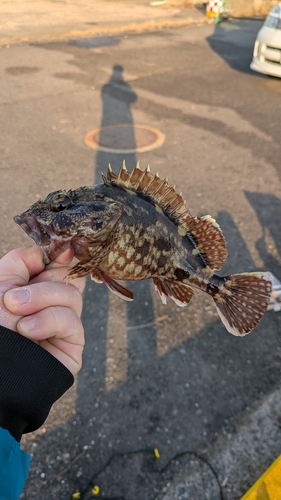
(243, 300)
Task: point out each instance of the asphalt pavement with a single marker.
(168, 405)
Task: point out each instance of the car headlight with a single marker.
(256, 48)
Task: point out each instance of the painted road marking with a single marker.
(268, 486)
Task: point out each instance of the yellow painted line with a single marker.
(268, 486)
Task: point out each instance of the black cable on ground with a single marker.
(94, 489)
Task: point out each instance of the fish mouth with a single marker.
(33, 229)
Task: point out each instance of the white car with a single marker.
(267, 49)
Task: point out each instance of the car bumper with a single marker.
(266, 68)
(267, 52)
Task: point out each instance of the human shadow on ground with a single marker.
(117, 97)
(268, 210)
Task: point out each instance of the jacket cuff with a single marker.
(31, 380)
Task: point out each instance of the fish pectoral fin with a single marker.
(91, 263)
(88, 265)
(112, 285)
(176, 290)
(81, 269)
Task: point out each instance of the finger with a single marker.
(64, 259)
(61, 322)
(59, 274)
(32, 298)
(71, 358)
(60, 331)
(20, 264)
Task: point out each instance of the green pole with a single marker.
(219, 18)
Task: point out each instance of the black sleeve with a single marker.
(31, 380)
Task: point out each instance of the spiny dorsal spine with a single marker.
(143, 181)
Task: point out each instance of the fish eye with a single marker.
(60, 202)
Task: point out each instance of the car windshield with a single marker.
(273, 19)
(276, 10)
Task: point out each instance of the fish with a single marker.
(135, 226)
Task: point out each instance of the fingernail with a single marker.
(27, 324)
(18, 296)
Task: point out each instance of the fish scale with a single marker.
(136, 226)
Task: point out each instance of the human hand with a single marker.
(37, 302)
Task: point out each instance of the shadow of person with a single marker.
(268, 209)
(234, 41)
(239, 258)
(117, 97)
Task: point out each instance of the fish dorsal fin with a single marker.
(205, 231)
(208, 237)
(143, 182)
(111, 176)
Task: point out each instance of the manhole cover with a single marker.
(124, 138)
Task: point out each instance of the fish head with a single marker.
(70, 219)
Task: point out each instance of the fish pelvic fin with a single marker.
(179, 292)
(115, 287)
(242, 301)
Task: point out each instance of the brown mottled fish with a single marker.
(135, 226)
